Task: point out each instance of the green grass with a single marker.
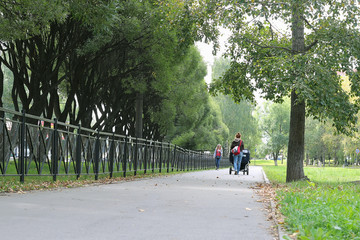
(261, 162)
(327, 207)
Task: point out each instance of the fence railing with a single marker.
(34, 146)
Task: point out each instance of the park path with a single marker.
(193, 205)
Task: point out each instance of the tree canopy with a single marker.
(295, 48)
(88, 62)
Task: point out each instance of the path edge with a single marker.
(281, 234)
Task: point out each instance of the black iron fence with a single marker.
(33, 146)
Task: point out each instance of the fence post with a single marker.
(97, 155)
(188, 162)
(168, 158)
(136, 156)
(192, 161)
(184, 161)
(78, 153)
(153, 157)
(111, 167)
(174, 162)
(3, 145)
(125, 156)
(161, 145)
(145, 157)
(55, 151)
(22, 146)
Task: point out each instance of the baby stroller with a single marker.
(245, 162)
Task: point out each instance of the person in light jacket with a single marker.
(237, 158)
(217, 155)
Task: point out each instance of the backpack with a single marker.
(236, 149)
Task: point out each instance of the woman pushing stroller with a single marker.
(237, 147)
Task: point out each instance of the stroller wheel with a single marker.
(230, 170)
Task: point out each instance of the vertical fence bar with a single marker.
(136, 156)
(125, 156)
(97, 155)
(54, 158)
(188, 160)
(3, 145)
(168, 158)
(111, 157)
(184, 160)
(145, 157)
(192, 162)
(22, 146)
(174, 160)
(153, 157)
(78, 153)
(160, 157)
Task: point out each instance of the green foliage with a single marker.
(275, 122)
(238, 117)
(325, 208)
(263, 55)
(313, 42)
(100, 54)
(21, 19)
(197, 121)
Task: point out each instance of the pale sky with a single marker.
(206, 51)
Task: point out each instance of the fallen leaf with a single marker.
(141, 210)
(248, 209)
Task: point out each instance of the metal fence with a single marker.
(33, 146)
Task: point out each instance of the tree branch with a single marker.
(311, 45)
(275, 47)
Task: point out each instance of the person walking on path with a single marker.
(237, 154)
(217, 155)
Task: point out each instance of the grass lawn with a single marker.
(326, 207)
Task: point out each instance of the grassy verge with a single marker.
(327, 207)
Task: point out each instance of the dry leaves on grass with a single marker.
(267, 195)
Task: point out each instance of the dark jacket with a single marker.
(236, 143)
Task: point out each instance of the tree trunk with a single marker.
(295, 169)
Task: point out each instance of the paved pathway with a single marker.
(197, 205)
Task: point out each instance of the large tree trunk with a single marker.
(295, 169)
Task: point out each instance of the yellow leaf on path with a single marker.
(248, 209)
(141, 210)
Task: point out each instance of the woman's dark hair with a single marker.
(238, 135)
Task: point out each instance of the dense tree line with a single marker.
(103, 63)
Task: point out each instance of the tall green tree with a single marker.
(275, 126)
(238, 117)
(197, 122)
(295, 48)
